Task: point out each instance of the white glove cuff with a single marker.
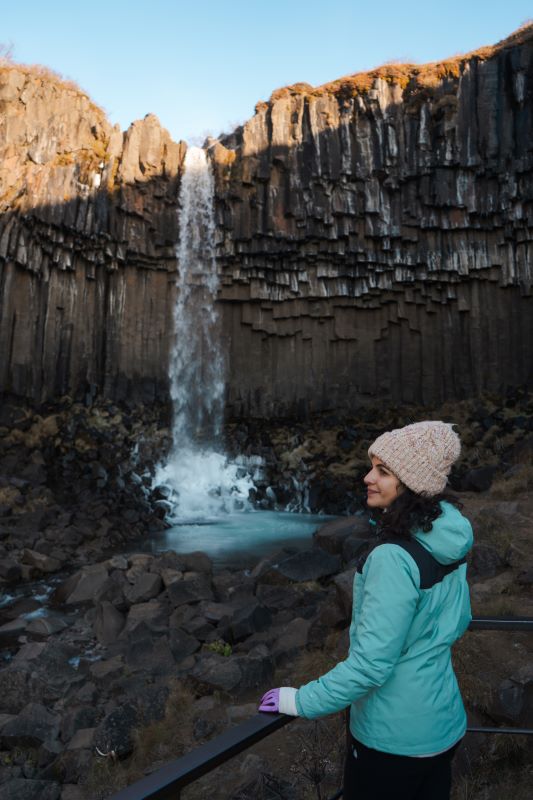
(287, 701)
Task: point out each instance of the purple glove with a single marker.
(270, 702)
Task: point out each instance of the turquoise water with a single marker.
(240, 540)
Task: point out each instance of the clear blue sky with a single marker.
(202, 66)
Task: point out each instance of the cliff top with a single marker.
(414, 76)
(37, 73)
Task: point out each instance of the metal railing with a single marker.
(166, 783)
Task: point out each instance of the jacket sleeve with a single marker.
(390, 596)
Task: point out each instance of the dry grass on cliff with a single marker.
(415, 78)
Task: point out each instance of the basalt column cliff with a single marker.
(376, 236)
(373, 239)
(88, 231)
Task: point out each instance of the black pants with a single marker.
(372, 775)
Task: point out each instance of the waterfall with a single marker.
(200, 480)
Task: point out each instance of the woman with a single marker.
(411, 603)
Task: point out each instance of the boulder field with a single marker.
(108, 650)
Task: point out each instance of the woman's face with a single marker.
(382, 485)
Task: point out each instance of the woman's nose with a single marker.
(368, 477)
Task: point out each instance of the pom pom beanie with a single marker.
(420, 455)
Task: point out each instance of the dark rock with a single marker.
(216, 673)
(292, 641)
(332, 535)
(257, 668)
(344, 586)
(329, 618)
(484, 561)
(307, 565)
(181, 644)
(108, 622)
(147, 586)
(191, 589)
(203, 728)
(196, 562)
(278, 597)
(41, 562)
(45, 626)
(10, 570)
(478, 480)
(199, 628)
(248, 620)
(16, 690)
(21, 789)
(115, 732)
(33, 726)
(353, 548)
(153, 614)
(89, 582)
(151, 702)
(76, 719)
(150, 654)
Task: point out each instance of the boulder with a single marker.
(147, 585)
(247, 620)
(195, 562)
(484, 561)
(16, 689)
(292, 641)
(181, 644)
(115, 733)
(153, 614)
(78, 718)
(213, 672)
(193, 588)
(45, 626)
(82, 739)
(332, 535)
(32, 727)
(307, 565)
(353, 548)
(151, 654)
(479, 479)
(108, 622)
(278, 598)
(41, 562)
(344, 587)
(257, 668)
(89, 582)
(10, 570)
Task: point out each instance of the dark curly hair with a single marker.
(410, 512)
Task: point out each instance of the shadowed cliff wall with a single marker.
(88, 230)
(375, 236)
(374, 239)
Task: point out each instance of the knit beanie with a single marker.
(420, 455)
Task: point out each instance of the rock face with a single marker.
(375, 236)
(373, 239)
(88, 228)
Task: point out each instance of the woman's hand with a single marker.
(279, 701)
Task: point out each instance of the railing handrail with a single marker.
(166, 783)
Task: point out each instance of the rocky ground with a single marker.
(139, 657)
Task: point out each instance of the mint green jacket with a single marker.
(398, 677)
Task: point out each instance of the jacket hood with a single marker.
(451, 537)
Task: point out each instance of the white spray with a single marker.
(201, 481)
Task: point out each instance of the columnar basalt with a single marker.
(375, 236)
(88, 230)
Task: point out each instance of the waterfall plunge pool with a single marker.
(240, 540)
